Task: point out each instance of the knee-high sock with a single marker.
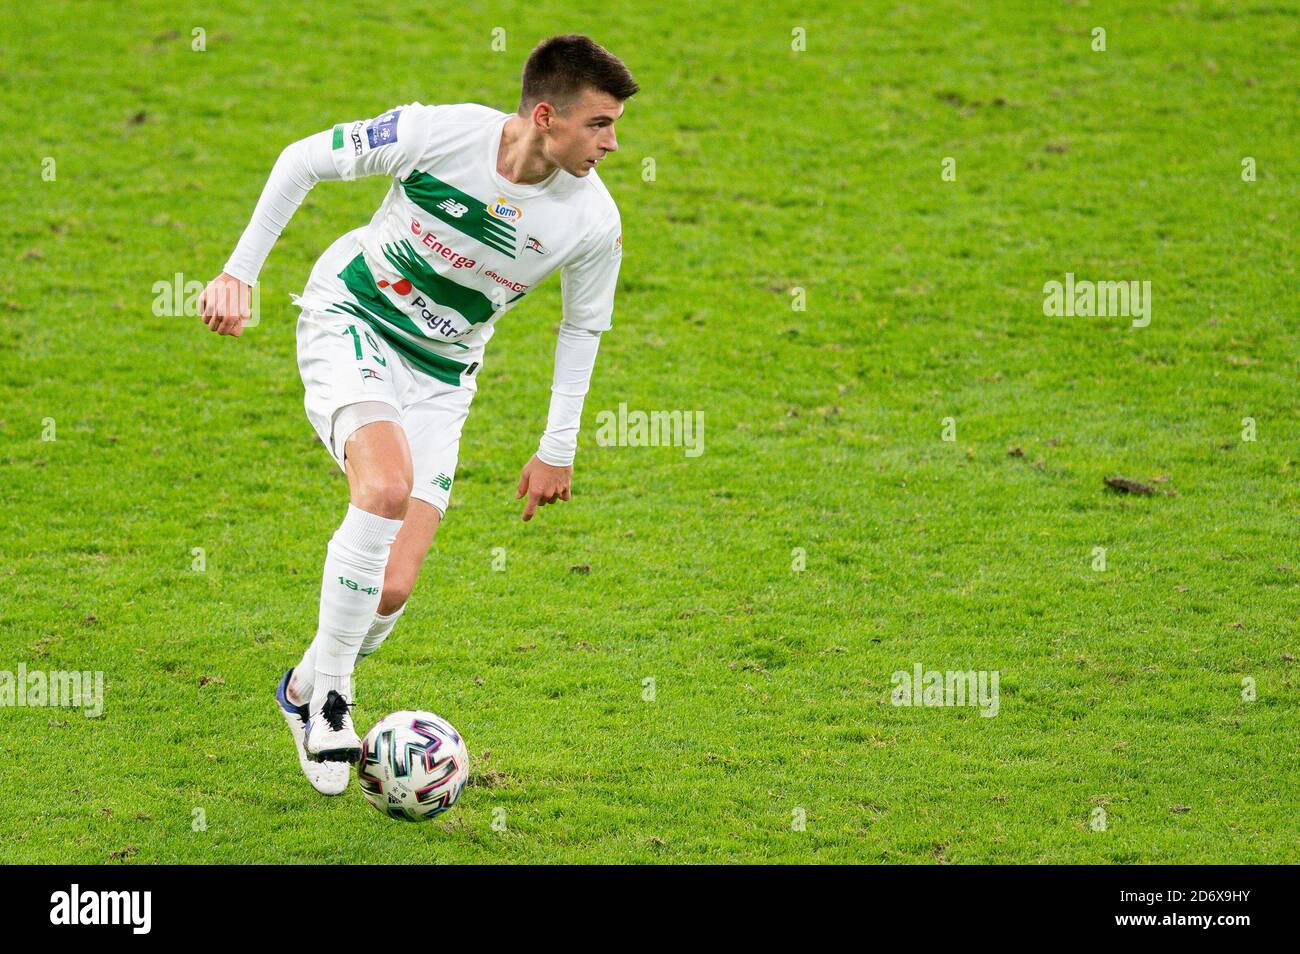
(379, 630)
(349, 598)
(304, 674)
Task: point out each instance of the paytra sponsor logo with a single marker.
(441, 325)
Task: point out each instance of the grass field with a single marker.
(1125, 689)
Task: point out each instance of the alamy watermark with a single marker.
(130, 908)
(58, 688)
(922, 687)
(1089, 299)
(624, 428)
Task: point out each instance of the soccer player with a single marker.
(484, 205)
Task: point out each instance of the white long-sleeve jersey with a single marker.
(453, 246)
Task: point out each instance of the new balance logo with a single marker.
(443, 481)
(453, 208)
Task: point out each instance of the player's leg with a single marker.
(378, 465)
(352, 402)
(409, 550)
(404, 562)
(433, 415)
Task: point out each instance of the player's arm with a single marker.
(386, 145)
(587, 286)
(224, 303)
(547, 476)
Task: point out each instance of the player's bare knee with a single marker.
(387, 495)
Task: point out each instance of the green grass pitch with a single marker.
(1160, 690)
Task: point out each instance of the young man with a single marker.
(396, 314)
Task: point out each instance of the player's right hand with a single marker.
(224, 305)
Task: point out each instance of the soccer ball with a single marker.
(413, 765)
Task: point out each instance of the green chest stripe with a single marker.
(461, 211)
(380, 314)
(359, 280)
(473, 304)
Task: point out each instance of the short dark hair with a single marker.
(560, 68)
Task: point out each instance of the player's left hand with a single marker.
(543, 484)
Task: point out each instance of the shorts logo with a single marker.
(453, 208)
(617, 250)
(503, 210)
(383, 129)
(369, 374)
(443, 481)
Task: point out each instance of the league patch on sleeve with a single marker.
(382, 130)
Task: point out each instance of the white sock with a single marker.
(304, 674)
(349, 598)
(340, 684)
(379, 630)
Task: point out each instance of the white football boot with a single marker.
(328, 778)
(330, 736)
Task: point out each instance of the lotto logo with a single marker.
(453, 208)
(501, 209)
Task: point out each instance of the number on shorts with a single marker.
(374, 345)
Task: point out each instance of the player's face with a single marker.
(581, 136)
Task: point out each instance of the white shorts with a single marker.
(430, 411)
